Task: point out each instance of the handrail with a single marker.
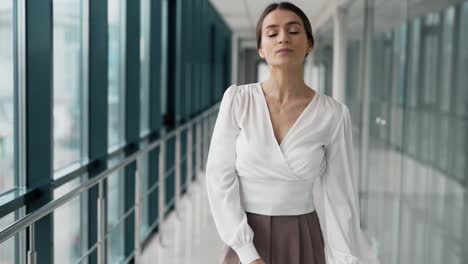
(48, 208)
(86, 165)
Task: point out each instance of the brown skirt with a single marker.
(292, 239)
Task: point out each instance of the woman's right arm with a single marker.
(222, 183)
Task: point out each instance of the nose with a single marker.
(283, 38)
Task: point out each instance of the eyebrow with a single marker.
(289, 23)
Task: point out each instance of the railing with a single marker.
(205, 120)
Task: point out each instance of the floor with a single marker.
(189, 236)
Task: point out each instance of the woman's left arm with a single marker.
(337, 201)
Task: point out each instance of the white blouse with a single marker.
(312, 169)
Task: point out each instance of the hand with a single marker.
(258, 261)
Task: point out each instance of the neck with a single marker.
(285, 83)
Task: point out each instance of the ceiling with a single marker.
(242, 15)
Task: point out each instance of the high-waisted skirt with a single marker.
(292, 239)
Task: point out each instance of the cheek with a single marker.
(270, 44)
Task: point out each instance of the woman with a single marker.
(279, 171)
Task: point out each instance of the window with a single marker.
(70, 225)
(461, 99)
(429, 61)
(7, 97)
(116, 72)
(69, 126)
(460, 123)
(447, 60)
(116, 77)
(144, 195)
(115, 212)
(69, 82)
(144, 62)
(11, 248)
(7, 248)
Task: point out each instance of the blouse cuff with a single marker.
(247, 253)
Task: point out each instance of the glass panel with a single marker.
(69, 227)
(144, 187)
(7, 248)
(446, 91)
(115, 210)
(381, 179)
(68, 82)
(116, 243)
(461, 113)
(7, 101)
(414, 205)
(115, 73)
(144, 62)
(447, 60)
(461, 99)
(432, 209)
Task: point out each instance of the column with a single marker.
(340, 18)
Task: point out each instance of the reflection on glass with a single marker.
(7, 248)
(144, 202)
(115, 194)
(69, 228)
(144, 62)
(115, 75)
(414, 183)
(7, 102)
(115, 210)
(115, 243)
(68, 84)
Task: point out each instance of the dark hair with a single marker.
(284, 6)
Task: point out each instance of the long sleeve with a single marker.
(336, 201)
(223, 185)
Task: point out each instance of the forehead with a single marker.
(280, 17)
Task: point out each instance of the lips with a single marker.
(284, 50)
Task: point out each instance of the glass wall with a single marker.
(7, 96)
(70, 226)
(413, 185)
(116, 77)
(413, 179)
(115, 213)
(11, 172)
(69, 86)
(116, 72)
(10, 250)
(145, 201)
(145, 8)
(67, 23)
(69, 124)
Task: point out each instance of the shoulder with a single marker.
(235, 90)
(336, 114)
(241, 95)
(334, 109)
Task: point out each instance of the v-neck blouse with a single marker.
(312, 169)
(304, 112)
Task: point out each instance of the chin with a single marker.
(286, 62)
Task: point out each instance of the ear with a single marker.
(311, 46)
(260, 52)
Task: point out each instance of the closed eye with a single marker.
(291, 32)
